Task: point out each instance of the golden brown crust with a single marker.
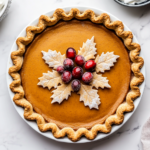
(127, 106)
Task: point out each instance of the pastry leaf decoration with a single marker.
(88, 95)
(53, 59)
(88, 50)
(50, 79)
(105, 61)
(99, 81)
(61, 93)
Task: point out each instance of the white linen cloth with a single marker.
(145, 135)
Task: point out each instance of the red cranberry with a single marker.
(79, 60)
(90, 65)
(71, 53)
(66, 76)
(68, 64)
(60, 69)
(77, 72)
(76, 85)
(87, 77)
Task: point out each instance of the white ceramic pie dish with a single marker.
(49, 134)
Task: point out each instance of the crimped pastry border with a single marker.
(127, 106)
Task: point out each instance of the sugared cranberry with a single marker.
(76, 85)
(87, 77)
(71, 53)
(77, 72)
(60, 69)
(66, 76)
(79, 60)
(68, 64)
(90, 65)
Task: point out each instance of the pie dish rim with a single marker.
(81, 10)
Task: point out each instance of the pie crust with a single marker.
(127, 106)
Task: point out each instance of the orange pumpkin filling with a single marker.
(72, 112)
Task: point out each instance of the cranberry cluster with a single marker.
(69, 71)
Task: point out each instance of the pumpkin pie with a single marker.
(39, 88)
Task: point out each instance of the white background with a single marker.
(15, 134)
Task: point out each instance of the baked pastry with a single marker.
(34, 81)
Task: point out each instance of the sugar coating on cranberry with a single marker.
(76, 85)
(87, 77)
(60, 69)
(79, 60)
(68, 64)
(66, 76)
(71, 53)
(77, 72)
(90, 65)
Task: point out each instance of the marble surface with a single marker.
(15, 134)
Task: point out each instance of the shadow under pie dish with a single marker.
(71, 117)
